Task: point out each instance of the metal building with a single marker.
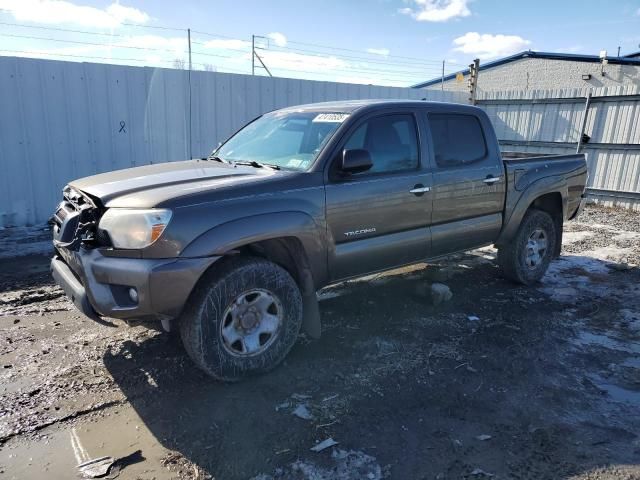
(544, 71)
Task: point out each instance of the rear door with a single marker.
(468, 181)
(380, 218)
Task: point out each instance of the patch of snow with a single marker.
(574, 237)
(627, 236)
(345, 465)
(597, 226)
(610, 253)
(572, 277)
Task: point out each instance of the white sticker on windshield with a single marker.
(294, 163)
(331, 117)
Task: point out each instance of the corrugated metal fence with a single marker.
(550, 121)
(63, 120)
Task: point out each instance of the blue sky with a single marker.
(388, 42)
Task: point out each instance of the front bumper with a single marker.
(99, 285)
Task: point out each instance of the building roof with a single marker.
(631, 59)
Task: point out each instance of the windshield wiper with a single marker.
(255, 164)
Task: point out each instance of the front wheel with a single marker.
(242, 318)
(526, 258)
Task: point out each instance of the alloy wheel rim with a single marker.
(535, 249)
(251, 323)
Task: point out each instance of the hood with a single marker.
(151, 185)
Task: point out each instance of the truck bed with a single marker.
(529, 155)
(524, 169)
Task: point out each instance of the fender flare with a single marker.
(226, 237)
(535, 190)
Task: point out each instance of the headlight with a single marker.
(133, 228)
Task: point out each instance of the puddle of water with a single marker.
(633, 362)
(58, 451)
(602, 340)
(326, 295)
(615, 392)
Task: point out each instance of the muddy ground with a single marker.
(502, 381)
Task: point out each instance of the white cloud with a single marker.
(126, 14)
(63, 12)
(379, 51)
(436, 10)
(278, 38)
(299, 62)
(173, 45)
(486, 45)
(230, 44)
(638, 13)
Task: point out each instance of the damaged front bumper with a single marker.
(126, 288)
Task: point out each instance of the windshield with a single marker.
(289, 140)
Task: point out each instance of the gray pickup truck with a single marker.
(230, 250)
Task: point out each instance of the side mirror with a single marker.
(356, 161)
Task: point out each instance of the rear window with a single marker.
(457, 139)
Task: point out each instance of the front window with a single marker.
(390, 140)
(290, 140)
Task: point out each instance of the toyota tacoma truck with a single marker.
(230, 250)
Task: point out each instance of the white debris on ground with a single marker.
(346, 465)
(323, 445)
(440, 293)
(302, 411)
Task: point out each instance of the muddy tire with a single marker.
(242, 318)
(526, 258)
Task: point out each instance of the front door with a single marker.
(379, 218)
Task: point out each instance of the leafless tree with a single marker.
(179, 63)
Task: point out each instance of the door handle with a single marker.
(491, 180)
(419, 190)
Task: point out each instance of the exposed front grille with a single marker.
(75, 220)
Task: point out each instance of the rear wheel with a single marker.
(526, 258)
(242, 318)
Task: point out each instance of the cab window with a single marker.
(391, 141)
(457, 139)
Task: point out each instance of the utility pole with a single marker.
(189, 82)
(473, 80)
(442, 82)
(255, 55)
(189, 40)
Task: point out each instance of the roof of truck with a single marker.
(349, 106)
